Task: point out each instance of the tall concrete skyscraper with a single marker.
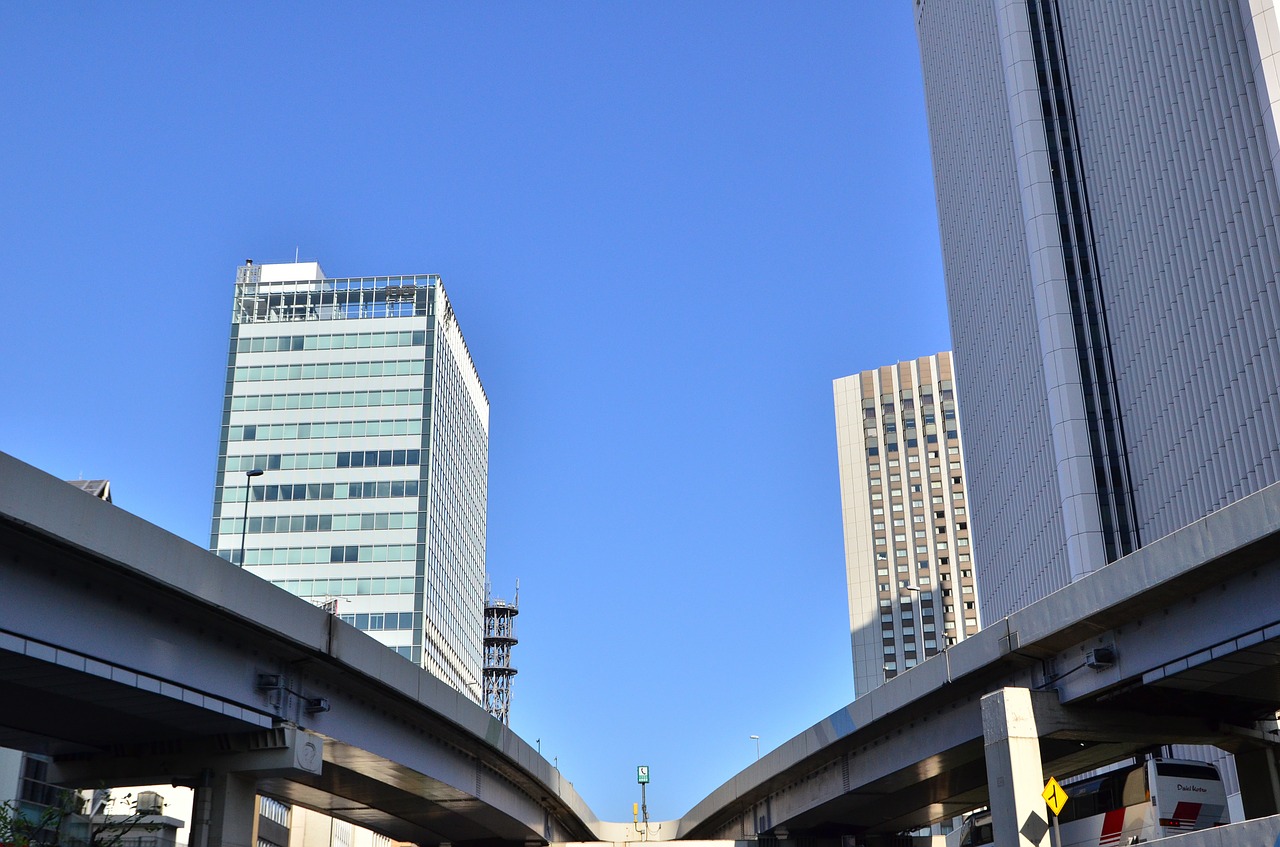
(1107, 196)
(355, 423)
(908, 561)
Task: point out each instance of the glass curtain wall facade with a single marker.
(908, 557)
(358, 402)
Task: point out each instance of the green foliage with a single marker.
(61, 825)
(19, 828)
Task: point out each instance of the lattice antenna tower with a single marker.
(499, 638)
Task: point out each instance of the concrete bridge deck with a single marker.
(135, 657)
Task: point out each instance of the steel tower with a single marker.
(499, 638)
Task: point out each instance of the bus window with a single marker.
(1133, 791)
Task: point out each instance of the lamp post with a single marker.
(248, 492)
(756, 739)
(917, 623)
(945, 655)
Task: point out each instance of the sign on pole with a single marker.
(1054, 796)
(642, 774)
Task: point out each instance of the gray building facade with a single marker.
(1108, 205)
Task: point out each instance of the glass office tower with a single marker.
(357, 401)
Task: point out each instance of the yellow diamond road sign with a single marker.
(1054, 796)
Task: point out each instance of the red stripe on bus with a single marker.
(1112, 823)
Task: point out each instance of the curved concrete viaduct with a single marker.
(133, 656)
(1191, 624)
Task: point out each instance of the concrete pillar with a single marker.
(1014, 774)
(1259, 772)
(223, 811)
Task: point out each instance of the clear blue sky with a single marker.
(665, 227)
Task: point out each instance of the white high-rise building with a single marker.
(355, 422)
(908, 561)
(1109, 207)
(1110, 219)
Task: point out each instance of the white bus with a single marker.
(1128, 806)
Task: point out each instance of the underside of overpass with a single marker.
(124, 679)
(131, 656)
(1194, 628)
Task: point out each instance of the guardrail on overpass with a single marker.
(1192, 625)
(132, 656)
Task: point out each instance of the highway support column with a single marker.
(1259, 772)
(1015, 777)
(223, 810)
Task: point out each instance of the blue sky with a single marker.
(665, 228)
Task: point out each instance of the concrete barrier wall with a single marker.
(1260, 832)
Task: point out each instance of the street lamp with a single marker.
(945, 655)
(917, 622)
(248, 492)
(756, 739)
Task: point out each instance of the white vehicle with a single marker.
(1130, 805)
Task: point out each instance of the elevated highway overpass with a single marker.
(1176, 643)
(132, 657)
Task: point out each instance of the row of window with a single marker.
(334, 429)
(325, 555)
(327, 400)
(908, 425)
(912, 473)
(936, 500)
(321, 523)
(915, 488)
(331, 370)
(907, 393)
(911, 443)
(343, 341)
(941, 515)
(886, 606)
(273, 810)
(933, 456)
(326, 306)
(349, 586)
(909, 625)
(901, 538)
(382, 621)
(924, 595)
(325, 491)
(313, 461)
(924, 573)
(882, 557)
(901, 553)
